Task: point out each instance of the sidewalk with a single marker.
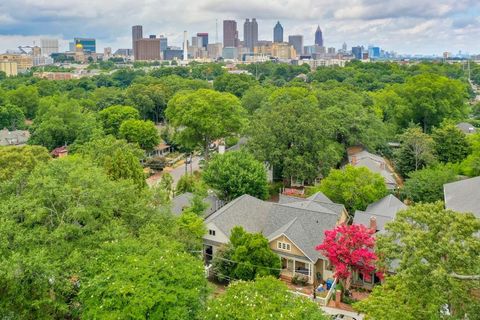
(334, 311)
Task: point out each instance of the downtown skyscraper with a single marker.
(278, 33)
(319, 37)
(230, 34)
(250, 34)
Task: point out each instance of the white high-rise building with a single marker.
(49, 46)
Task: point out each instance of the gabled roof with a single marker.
(466, 127)
(463, 196)
(303, 221)
(384, 211)
(13, 138)
(374, 163)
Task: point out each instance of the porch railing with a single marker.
(324, 301)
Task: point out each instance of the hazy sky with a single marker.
(405, 26)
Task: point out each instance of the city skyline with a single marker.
(416, 27)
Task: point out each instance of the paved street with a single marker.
(176, 172)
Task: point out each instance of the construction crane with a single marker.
(21, 48)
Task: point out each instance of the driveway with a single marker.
(335, 311)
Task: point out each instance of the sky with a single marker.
(403, 26)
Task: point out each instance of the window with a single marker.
(211, 232)
(283, 246)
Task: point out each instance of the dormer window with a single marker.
(283, 246)
(211, 232)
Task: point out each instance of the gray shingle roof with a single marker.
(384, 211)
(463, 196)
(374, 163)
(466, 127)
(13, 138)
(303, 222)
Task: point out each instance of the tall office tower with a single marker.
(250, 34)
(319, 37)
(49, 46)
(344, 47)
(203, 38)
(297, 42)
(357, 52)
(163, 43)
(230, 33)
(88, 44)
(137, 33)
(278, 33)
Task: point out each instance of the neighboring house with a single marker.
(463, 196)
(379, 213)
(59, 152)
(466, 127)
(160, 150)
(184, 200)
(293, 226)
(375, 217)
(358, 157)
(14, 138)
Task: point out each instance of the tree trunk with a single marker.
(207, 144)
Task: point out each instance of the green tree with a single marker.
(120, 159)
(236, 173)
(26, 98)
(144, 133)
(144, 278)
(355, 187)
(235, 84)
(204, 116)
(451, 144)
(15, 160)
(113, 117)
(62, 121)
(149, 100)
(262, 299)
(433, 247)
(254, 97)
(190, 230)
(290, 134)
(426, 185)
(245, 257)
(11, 117)
(416, 151)
(471, 165)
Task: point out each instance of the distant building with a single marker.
(278, 33)
(250, 34)
(230, 53)
(319, 37)
(214, 50)
(203, 39)
(49, 46)
(137, 33)
(357, 52)
(9, 67)
(173, 54)
(88, 44)
(230, 34)
(344, 47)
(14, 138)
(24, 62)
(374, 52)
(163, 43)
(283, 51)
(297, 42)
(123, 52)
(147, 49)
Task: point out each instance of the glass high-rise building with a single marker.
(278, 33)
(250, 34)
(203, 38)
(88, 44)
(297, 42)
(230, 33)
(319, 37)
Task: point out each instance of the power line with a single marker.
(241, 262)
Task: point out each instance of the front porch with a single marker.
(301, 268)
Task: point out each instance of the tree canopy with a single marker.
(236, 173)
(143, 133)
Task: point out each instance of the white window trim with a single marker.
(284, 246)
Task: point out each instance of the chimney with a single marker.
(373, 223)
(354, 160)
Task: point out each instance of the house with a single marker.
(184, 200)
(293, 227)
(467, 128)
(463, 196)
(379, 213)
(358, 157)
(59, 152)
(375, 217)
(14, 138)
(161, 150)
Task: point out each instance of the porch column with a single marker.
(293, 273)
